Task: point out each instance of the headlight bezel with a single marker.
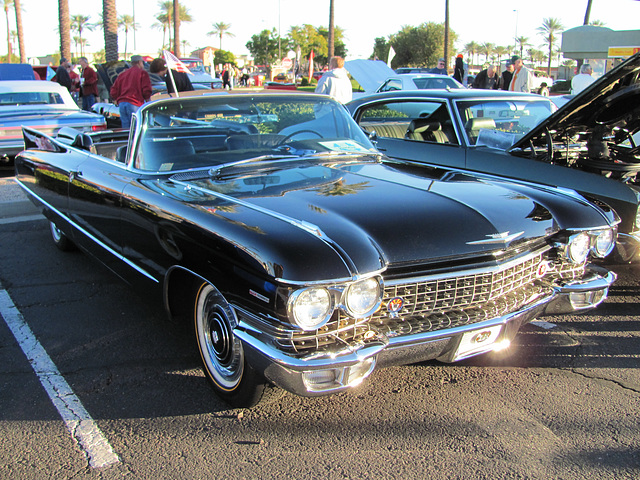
(581, 244)
(338, 297)
(295, 313)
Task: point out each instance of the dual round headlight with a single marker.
(310, 308)
(600, 242)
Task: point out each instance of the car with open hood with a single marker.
(591, 144)
(46, 106)
(299, 255)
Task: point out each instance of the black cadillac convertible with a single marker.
(301, 256)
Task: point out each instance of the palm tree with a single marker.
(550, 29)
(176, 27)
(165, 17)
(7, 5)
(522, 42)
(500, 51)
(110, 28)
(64, 22)
(18, 9)
(221, 29)
(331, 39)
(78, 24)
(597, 23)
(126, 23)
(487, 49)
(471, 49)
(76, 40)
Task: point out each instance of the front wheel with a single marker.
(60, 239)
(222, 354)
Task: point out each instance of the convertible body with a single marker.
(302, 256)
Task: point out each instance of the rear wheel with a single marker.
(60, 239)
(222, 353)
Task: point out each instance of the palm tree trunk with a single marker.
(6, 14)
(110, 28)
(331, 43)
(64, 21)
(23, 53)
(176, 27)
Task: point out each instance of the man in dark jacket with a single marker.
(487, 79)
(507, 75)
(62, 74)
(181, 79)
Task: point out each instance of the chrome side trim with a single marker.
(89, 235)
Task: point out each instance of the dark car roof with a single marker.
(453, 94)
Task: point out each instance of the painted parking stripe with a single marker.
(81, 426)
(23, 218)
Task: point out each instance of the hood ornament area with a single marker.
(503, 237)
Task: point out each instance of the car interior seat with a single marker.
(426, 130)
(162, 155)
(474, 125)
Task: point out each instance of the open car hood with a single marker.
(611, 102)
(369, 73)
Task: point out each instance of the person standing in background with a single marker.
(89, 84)
(131, 89)
(522, 80)
(335, 82)
(582, 80)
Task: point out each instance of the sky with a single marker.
(362, 21)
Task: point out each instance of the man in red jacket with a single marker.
(131, 89)
(89, 84)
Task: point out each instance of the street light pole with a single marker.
(515, 38)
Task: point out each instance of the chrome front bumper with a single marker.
(322, 374)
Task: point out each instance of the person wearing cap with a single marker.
(522, 80)
(459, 70)
(441, 68)
(505, 78)
(131, 89)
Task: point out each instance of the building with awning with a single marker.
(601, 47)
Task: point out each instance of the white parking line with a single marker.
(23, 218)
(81, 426)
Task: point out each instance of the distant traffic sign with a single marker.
(287, 63)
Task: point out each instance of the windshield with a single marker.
(195, 132)
(426, 83)
(500, 123)
(30, 98)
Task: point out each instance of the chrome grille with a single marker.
(426, 296)
(439, 302)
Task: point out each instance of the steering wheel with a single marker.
(288, 137)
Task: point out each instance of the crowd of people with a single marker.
(516, 77)
(132, 87)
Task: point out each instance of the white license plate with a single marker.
(478, 341)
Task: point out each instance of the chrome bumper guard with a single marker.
(325, 373)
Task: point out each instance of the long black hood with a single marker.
(373, 215)
(612, 100)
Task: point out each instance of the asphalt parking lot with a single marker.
(563, 402)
